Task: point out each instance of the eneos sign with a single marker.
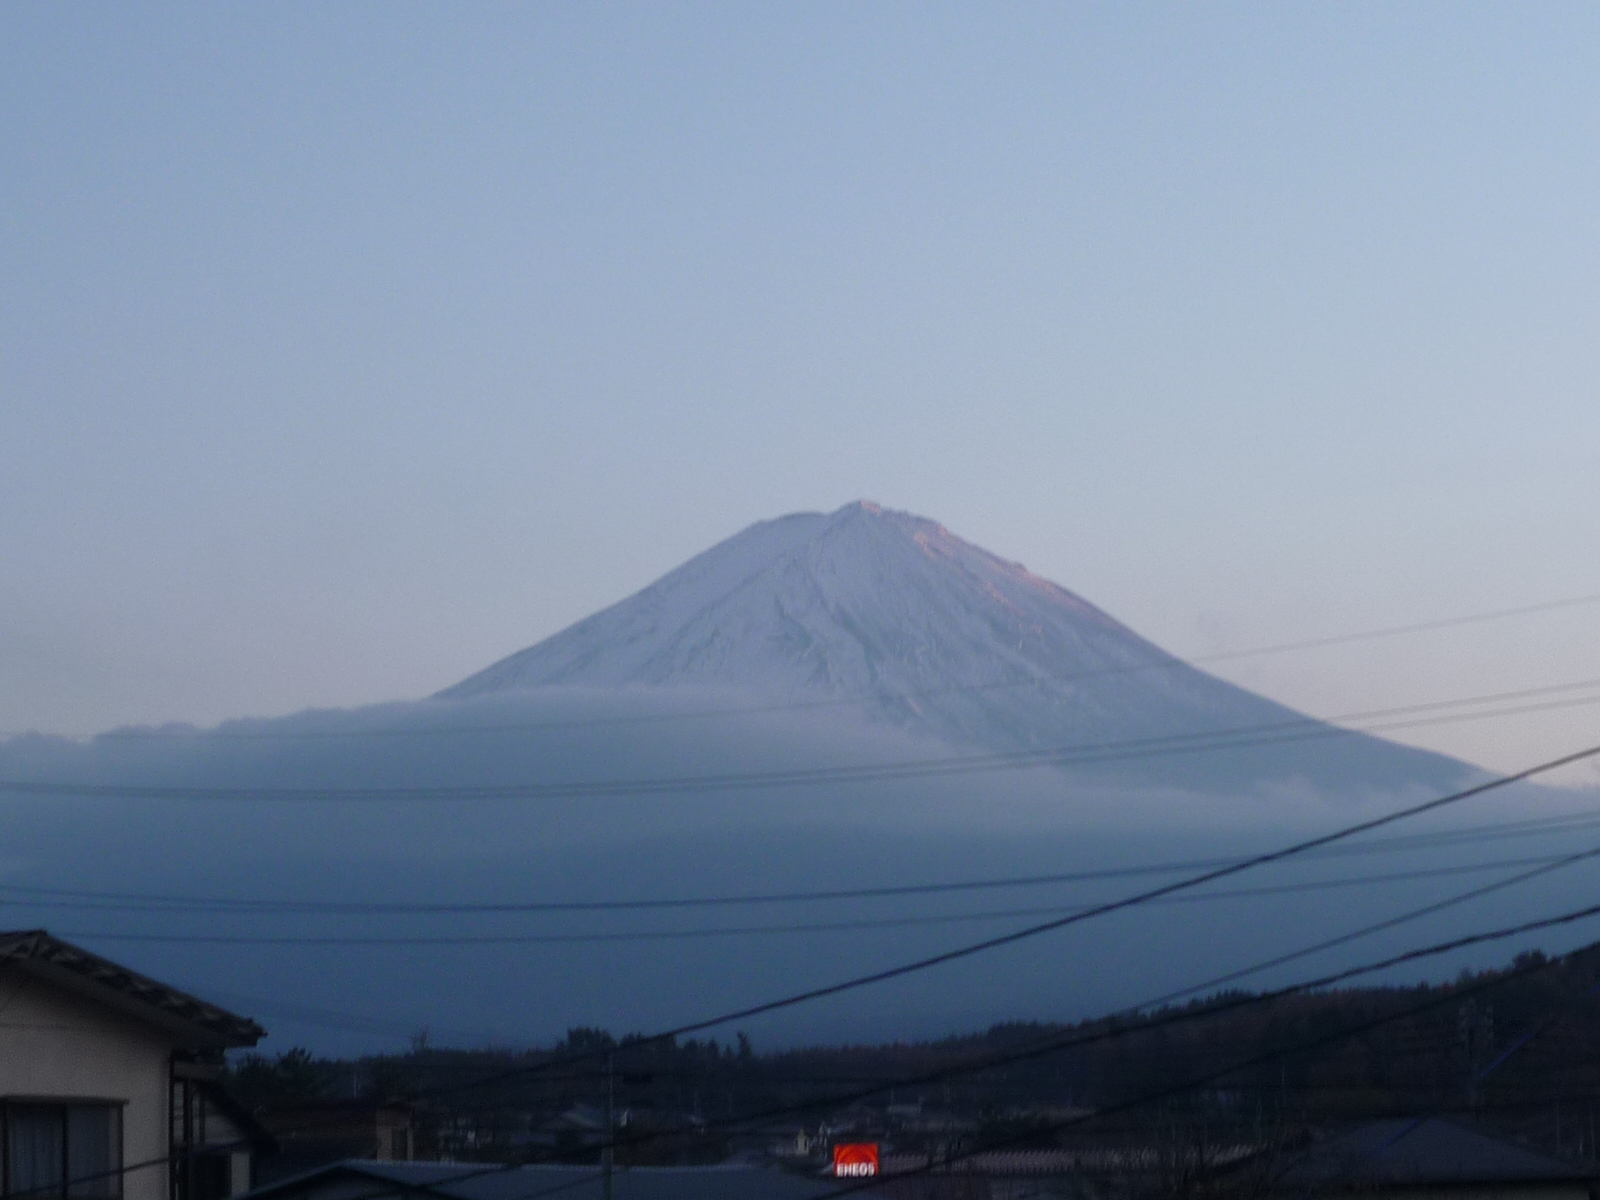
(855, 1160)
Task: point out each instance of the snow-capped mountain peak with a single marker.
(925, 630)
(862, 601)
(899, 620)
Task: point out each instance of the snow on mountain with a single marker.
(926, 632)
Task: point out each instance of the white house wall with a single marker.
(56, 1045)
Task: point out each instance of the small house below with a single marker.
(110, 1082)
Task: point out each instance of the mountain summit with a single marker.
(922, 630)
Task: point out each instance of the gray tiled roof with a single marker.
(357, 1179)
(36, 951)
(1424, 1151)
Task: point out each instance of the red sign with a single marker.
(855, 1160)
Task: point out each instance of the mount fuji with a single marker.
(748, 684)
(890, 615)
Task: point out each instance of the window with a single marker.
(208, 1177)
(54, 1150)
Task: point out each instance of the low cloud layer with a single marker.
(676, 842)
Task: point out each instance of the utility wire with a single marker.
(1390, 923)
(971, 949)
(863, 923)
(1167, 663)
(1111, 1033)
(974, 948)
(1126, 902)
(1049, 1045)
(1452, 996)
(1239, 737)
(1111, 1030)
(339, 1020)
(1108, 1033)
(342, 1020)
(124, 901)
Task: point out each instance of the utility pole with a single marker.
(608, 1151)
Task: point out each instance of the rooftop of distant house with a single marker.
(204, 1025)
(1424, 1152)
(479, 1181)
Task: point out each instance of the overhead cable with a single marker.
(988, 1062)
(1113, 1032)
(1299, 729)
(45, 897)
(346, 1020)
(838, 926)
(1166, 662)
(971, 949)
(1209, 1078)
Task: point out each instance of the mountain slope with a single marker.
(893, 614)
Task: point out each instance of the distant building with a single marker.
(110, 1082)
(313, 1133)
(354, 1179)
(1430, 1158)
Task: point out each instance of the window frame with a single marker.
(62, 1106)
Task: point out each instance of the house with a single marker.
(110, 1082)
(580, 1128)
(358, 1180)
(313, 1133)
(1410, 1159)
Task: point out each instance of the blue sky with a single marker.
(346, 349)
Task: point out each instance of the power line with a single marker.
(1106, 1034)
(1455, 995)
(1366, 931)
(1110, 1033)
(840, 926)
(345, 1020)
(1166, 1019)
(971, 949)
(1278, 855)
(1147, 896)
(1113, 1032)
(1168, 663)
(125, 901)
(1239, 737)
